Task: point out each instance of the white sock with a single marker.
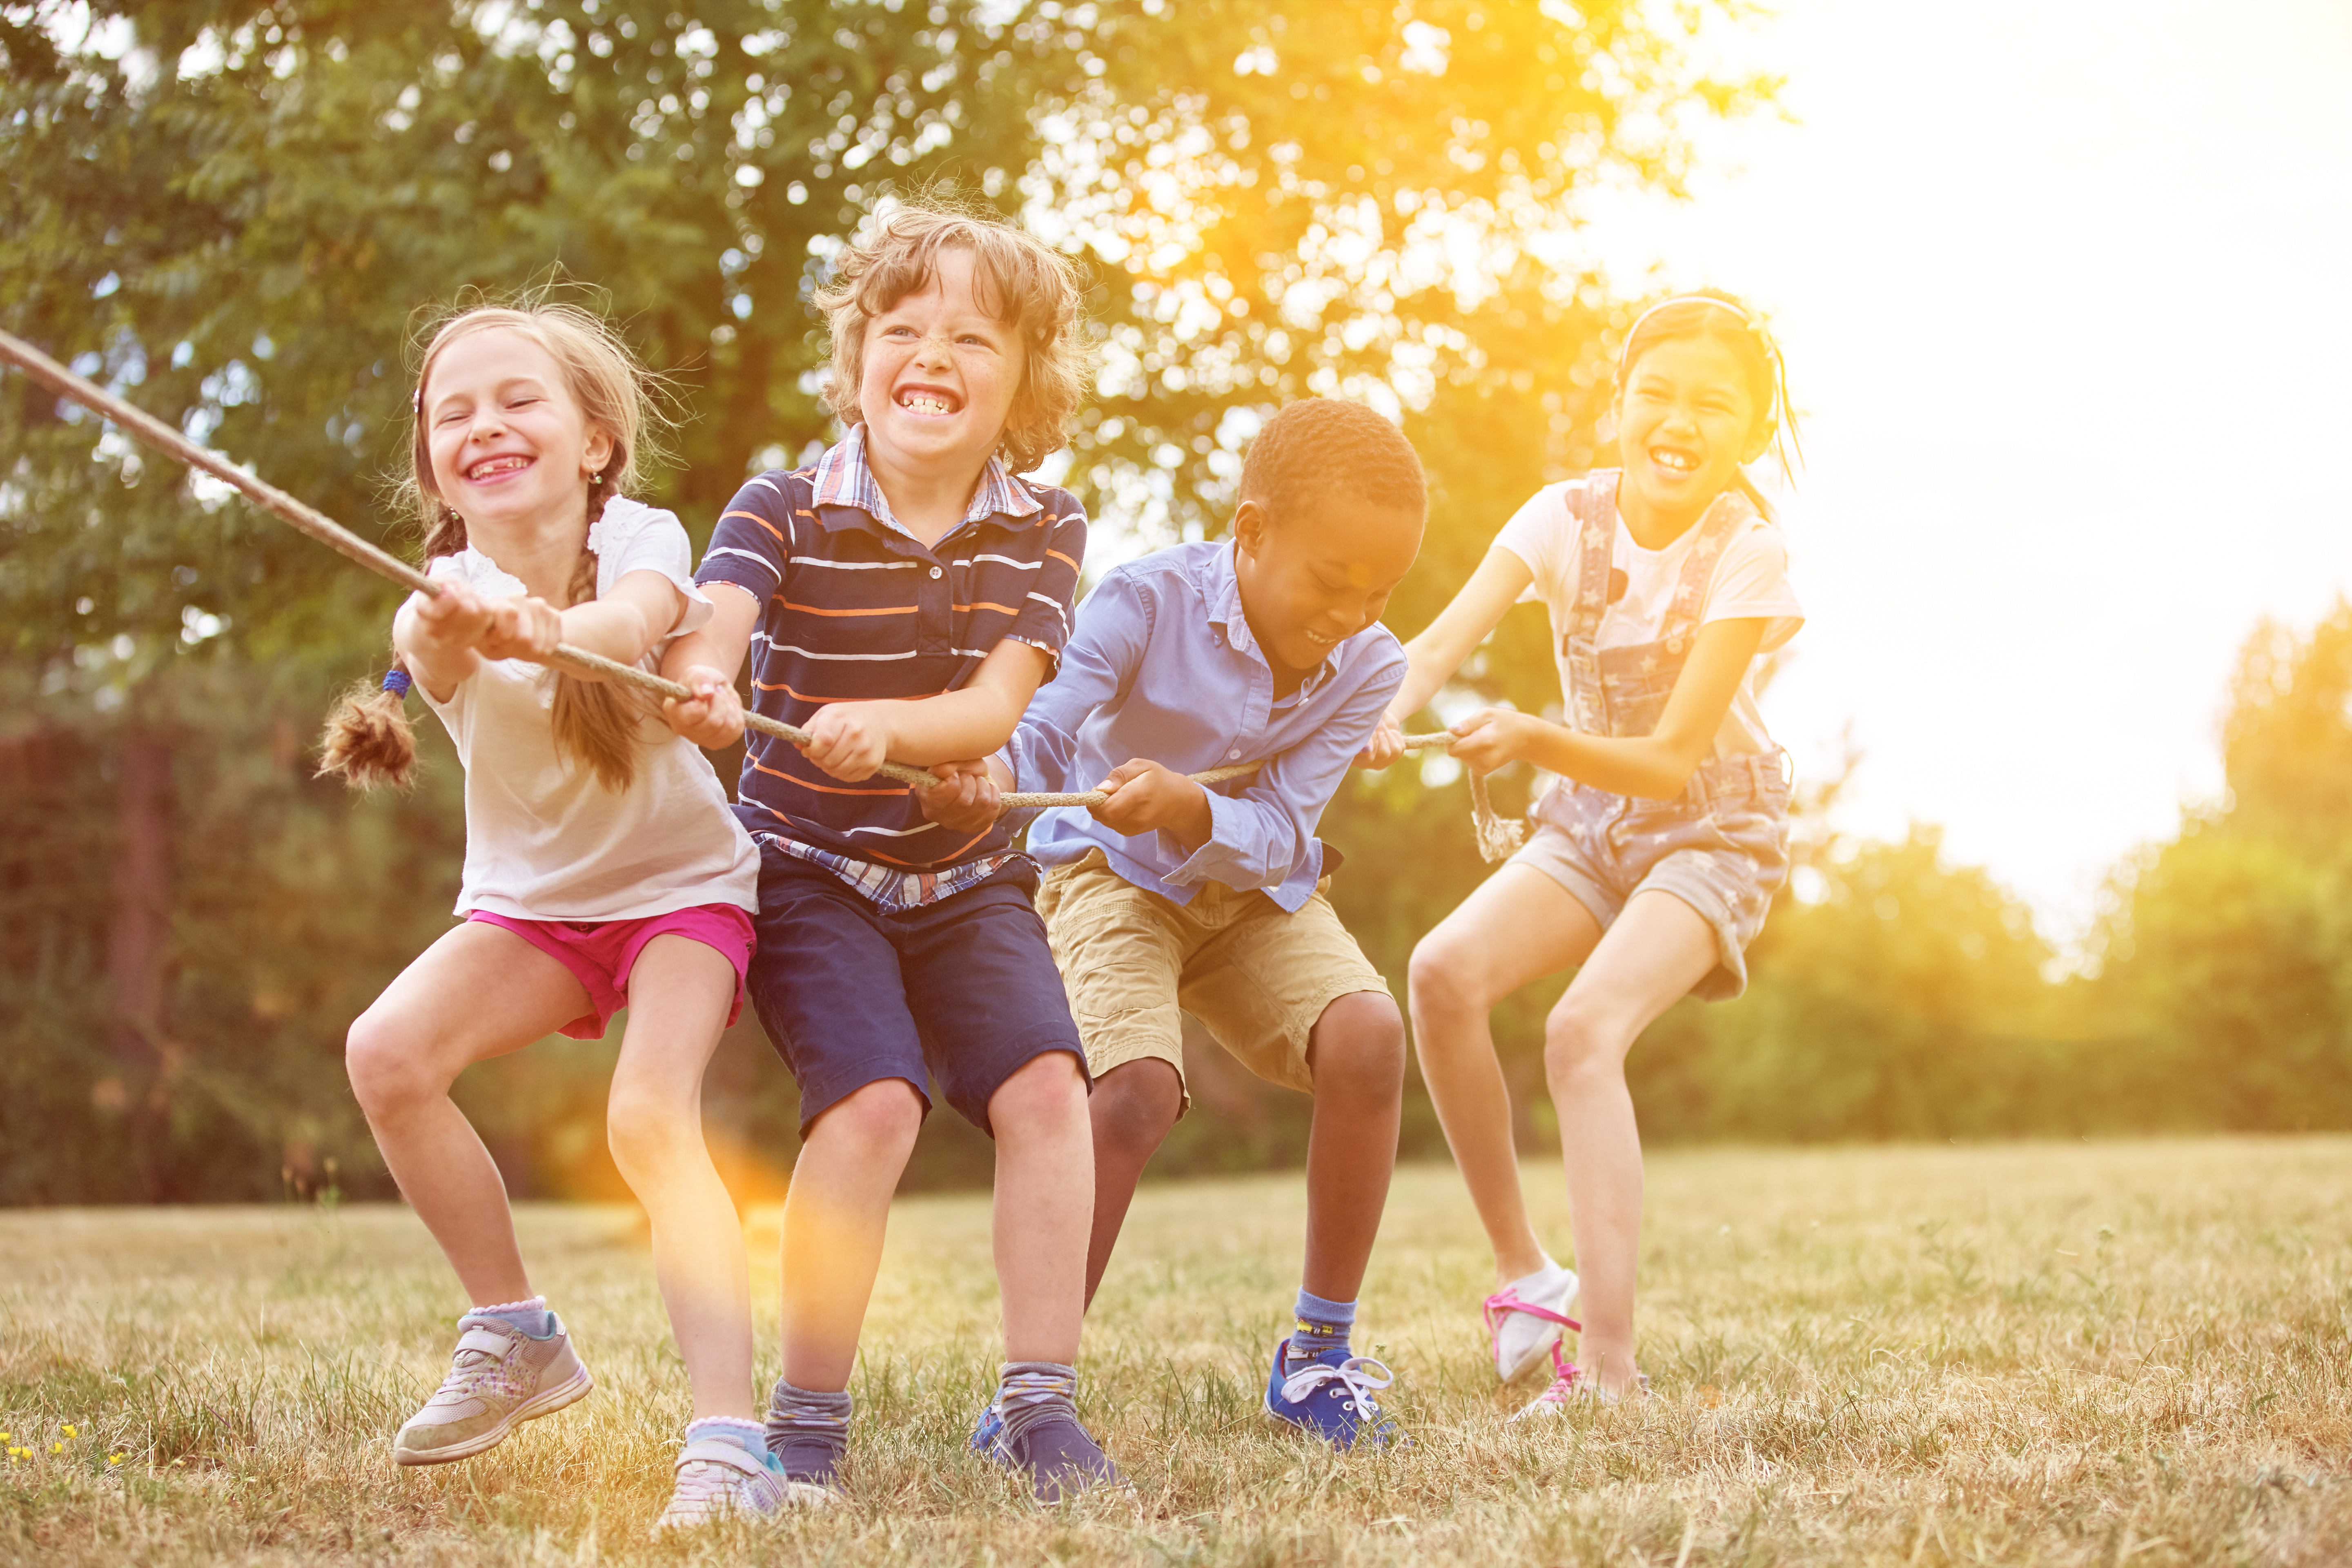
(1541, 1285)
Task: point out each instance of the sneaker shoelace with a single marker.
(1499, 1306)
(1353, 1375)
(469, 1370)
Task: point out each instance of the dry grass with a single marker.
(2076, 1354)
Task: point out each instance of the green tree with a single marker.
(2228, 974)
(230, 209)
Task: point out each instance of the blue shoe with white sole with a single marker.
(1332, 1397)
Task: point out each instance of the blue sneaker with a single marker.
(987, 1429)
(1057, 1454)
(1331, 1396)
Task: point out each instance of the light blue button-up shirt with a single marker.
(1162, 666)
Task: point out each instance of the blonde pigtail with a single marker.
(368, 744)
(595, 721)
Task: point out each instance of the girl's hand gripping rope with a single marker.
(521, 627)
(1490, 737)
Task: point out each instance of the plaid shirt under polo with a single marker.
(856, 608)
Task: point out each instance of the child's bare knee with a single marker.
(878, 1121)
(1135, 1104)
(642, 1132)
(386, 1064)
(1358, 1045)
(1045, 1089)
(1443, 977)
(1581, 1038)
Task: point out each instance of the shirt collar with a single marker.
(844, 477)
(1225, 610)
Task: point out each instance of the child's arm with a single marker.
(1105, 647)
(623, 625)
(852, 738)
(707, 659)
(1433, 655)
(1251, 839)
(1655, 766)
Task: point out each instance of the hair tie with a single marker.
(396, 681)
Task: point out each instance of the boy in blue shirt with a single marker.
(1173, 896)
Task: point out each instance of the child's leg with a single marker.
(1129, 1114)
(835, 1216)
(1357, 1054)
(679, 992)
(1044, 1198)
(479, 992)
(1518, 926)
(1657, 949)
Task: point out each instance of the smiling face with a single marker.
(939, 377)
(509, 446)
(1311, 580)
(1686, 420)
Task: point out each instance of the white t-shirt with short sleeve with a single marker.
(1751, 582)
(544, 840)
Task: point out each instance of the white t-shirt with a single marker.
(544, 840)
(1751, 582)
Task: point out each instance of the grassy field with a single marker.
(2101, 1355)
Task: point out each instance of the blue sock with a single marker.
(748, 1435)
(1322, 1326)
(529, 1317)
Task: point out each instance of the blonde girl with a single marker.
(602, 870)
(1654, 855)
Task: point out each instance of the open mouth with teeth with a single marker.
(497, 467)
(928, 402)
(1673, 460)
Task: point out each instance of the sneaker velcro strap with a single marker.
(720, 1451)
(488, 1341)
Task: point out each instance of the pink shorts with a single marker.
(600, 953)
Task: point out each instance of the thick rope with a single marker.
(335, 536)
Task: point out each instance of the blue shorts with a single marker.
(962, 991)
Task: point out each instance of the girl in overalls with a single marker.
(1654, 855)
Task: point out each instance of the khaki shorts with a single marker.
(1135, 962)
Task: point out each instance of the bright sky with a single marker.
(2065, 291)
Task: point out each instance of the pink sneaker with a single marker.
(1568, 1385)
(1520, 1330)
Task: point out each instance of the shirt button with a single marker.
(1234, 756)
(937, 572)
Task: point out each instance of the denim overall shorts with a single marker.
(1722, 845)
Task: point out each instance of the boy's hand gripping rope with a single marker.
(334, 536)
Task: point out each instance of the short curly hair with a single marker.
(1026, 283)
(1320, 449)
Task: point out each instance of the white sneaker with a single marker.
(718, 1480)
(499, 1377)
(1524, 1320)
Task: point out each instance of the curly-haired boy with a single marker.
(904, 597)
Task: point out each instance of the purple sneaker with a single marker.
(1331, 1396)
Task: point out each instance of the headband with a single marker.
(1779, 409)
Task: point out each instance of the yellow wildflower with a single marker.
(71, 1433)
(57, 1447)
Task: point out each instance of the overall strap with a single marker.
(1594, 503)
(1729, 511)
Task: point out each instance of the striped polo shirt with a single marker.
(856, 608)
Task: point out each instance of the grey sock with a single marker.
(806, 1426)
(1028, 1392)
